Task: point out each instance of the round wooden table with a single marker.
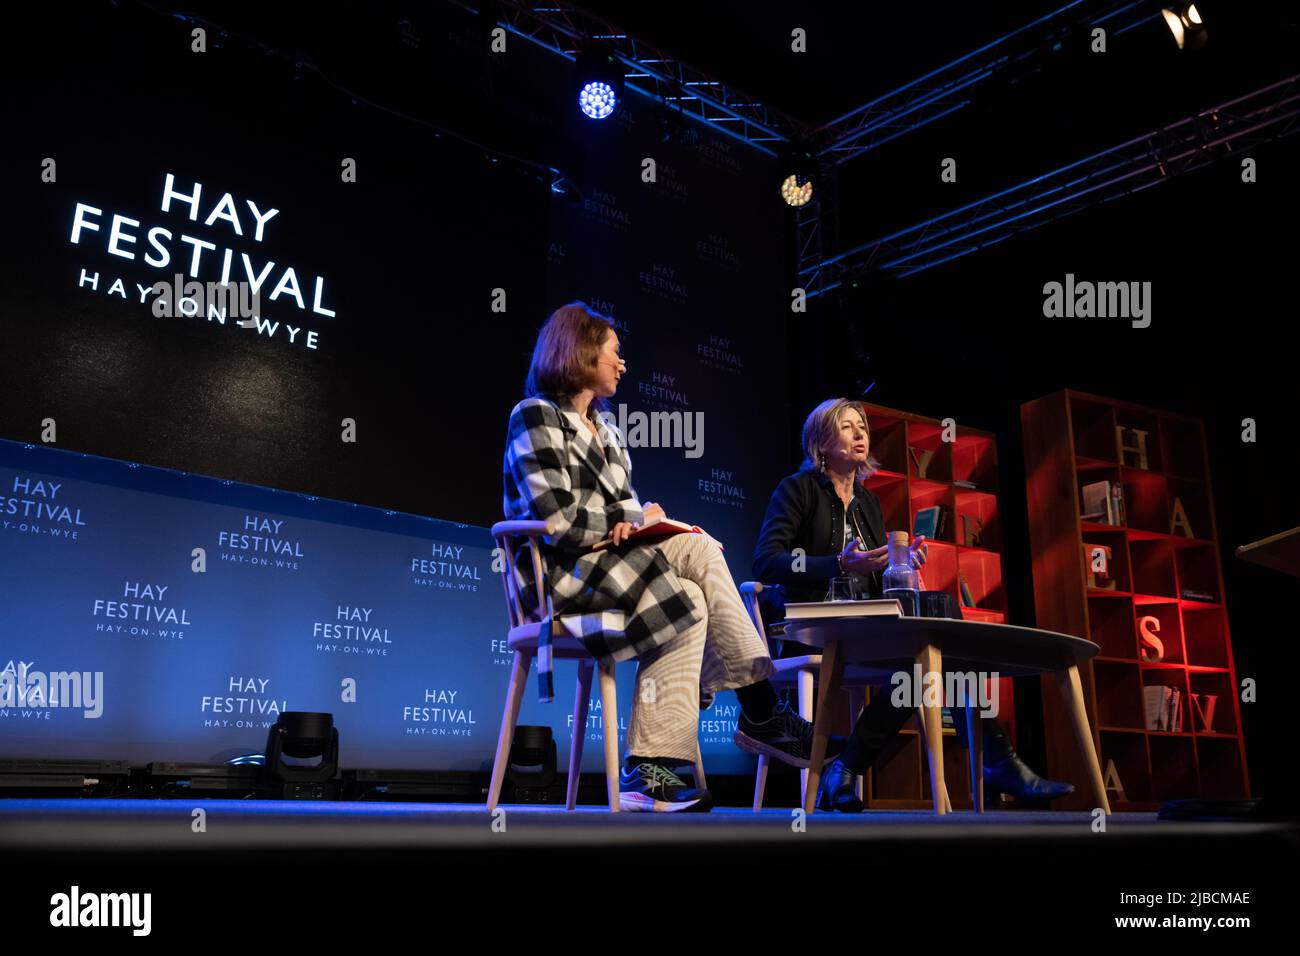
(940, 646)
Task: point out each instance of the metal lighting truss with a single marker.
(1269, 113)
(1123, 169)
(563, 29)
(950, 87)
(945, 91)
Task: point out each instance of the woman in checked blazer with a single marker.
(671, 604)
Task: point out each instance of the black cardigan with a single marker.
(805, 512)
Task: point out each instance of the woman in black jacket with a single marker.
(822, 523)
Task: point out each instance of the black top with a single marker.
(805, 512)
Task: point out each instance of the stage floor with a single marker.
(364, 865)
(103, 826)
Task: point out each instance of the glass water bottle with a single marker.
(900, 580)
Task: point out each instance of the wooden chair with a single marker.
(796, 672)
(523, 636)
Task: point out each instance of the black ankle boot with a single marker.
(1005, 772)
(838, 790)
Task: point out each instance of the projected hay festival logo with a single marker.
(141, 609)
(30, 505)
(260, 542)
(228, 284)
(447, 567)
(353, 630)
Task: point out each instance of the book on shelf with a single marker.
(1103, 503)
(1163, 707)
(926, 522)
(809, 610)
(1190, 594)
(963, 483)
(1155, 706)
(663, 528)
(967, 599)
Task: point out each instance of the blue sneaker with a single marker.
(651, 788)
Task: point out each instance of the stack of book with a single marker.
(877, 607)
(1164, 707)
(1103, 503)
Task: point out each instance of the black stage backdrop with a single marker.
(694, 269)
(440, 261)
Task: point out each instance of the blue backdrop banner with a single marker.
(158, 615)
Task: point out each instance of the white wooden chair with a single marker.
(523, 637)
(797, 672)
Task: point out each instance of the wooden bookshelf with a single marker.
(1073, 439)
(918, 468)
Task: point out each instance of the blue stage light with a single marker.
(597, 99)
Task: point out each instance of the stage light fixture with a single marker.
(796, 190)
(799, 167)
(599, 80)
(597, 99)
(532, 766)
(1186, 25)
(302, 755)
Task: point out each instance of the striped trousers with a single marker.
(721, 652)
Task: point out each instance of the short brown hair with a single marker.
(567, 349)
(821, 426)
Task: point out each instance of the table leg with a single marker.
(856, 697)
(1071, 688)
(832, 673)
(975, 756)
(932, 726)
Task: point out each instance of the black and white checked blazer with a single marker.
(620, 602)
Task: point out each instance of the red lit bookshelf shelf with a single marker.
(1167, 543)
(920, 469)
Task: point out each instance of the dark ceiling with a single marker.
(857, 51)
(1071, 104)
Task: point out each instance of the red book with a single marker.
(663, 528)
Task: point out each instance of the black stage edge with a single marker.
(402, 866)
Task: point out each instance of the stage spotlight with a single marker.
(796, 190)
(597, 99)
(1186, 25)
(302, 756)
(532, 766)
(798, 167)
(599, 80)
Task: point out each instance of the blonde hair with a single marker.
(821, 430)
